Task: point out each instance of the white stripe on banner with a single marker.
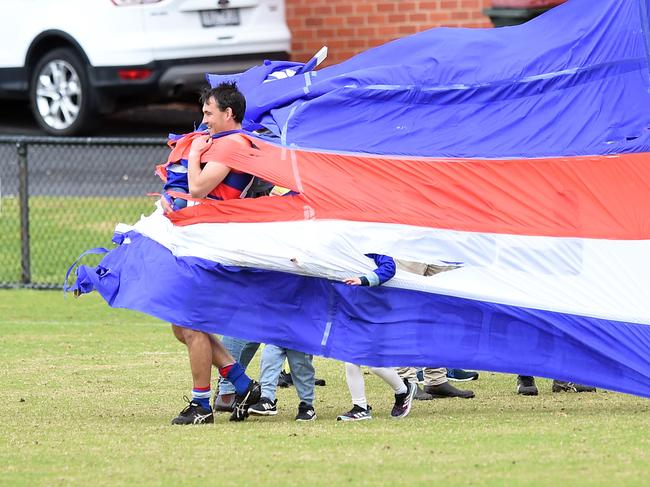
(598, 278)
(307, 82)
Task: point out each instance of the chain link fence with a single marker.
(61, 196)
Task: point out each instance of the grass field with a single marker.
(88, 393)
(61, 228)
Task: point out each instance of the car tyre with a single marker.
(61, 97)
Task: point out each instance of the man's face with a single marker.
(216, 120)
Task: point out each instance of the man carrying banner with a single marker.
(223, 111)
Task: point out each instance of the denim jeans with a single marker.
(243, 352)
(302, 372)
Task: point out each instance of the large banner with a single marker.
(517, 157)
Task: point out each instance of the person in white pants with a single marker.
(404, 390)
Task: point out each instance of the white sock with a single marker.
(389, 375)
(356, 384)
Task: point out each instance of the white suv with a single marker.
(75, 59)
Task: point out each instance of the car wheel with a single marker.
(61, 97)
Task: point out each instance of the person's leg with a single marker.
(436, 384)
(356, 384)
(247, 390)
(390, 377)
(205, 349)
(435, 376)
(360, 408)
(403, 389)
(564, 386)
(178, 333)
(461, 375)
(247, 353)
(199, 348)
(304, 376)
(303, 373)
(418, 268)
(270, 367)
(408, 373)
(235, 347)
(526, 385)
(220, 355)
(433, 269)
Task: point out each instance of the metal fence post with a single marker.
(23, 199)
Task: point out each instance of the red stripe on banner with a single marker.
(588, 196)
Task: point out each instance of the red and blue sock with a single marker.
(201, 396)
(236, 375)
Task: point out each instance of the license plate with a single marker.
(218, 18)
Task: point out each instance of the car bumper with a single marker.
(172, 79)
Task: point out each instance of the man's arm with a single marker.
(202, 181)
(385, 271)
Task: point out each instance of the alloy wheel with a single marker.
(58, 94)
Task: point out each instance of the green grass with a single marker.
(61, 228)
(88, 393)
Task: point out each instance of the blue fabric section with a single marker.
(237, 180)
(644, 5)
(573, 81)
(96, 250)
(227, 132)
(176, 182)
(175, 203)
(202, 128)
(174, 137)
(380, 326)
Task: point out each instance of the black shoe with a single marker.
(194, 414)
(420, 395)
(224, 403)
(265, 407)
(246, 400)
(526, 385)
(447, 390)
(404, 401)
(357, 413)
(562, 386)
(306, 412)
(285, 379)
(461, 375)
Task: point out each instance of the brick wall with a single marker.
(348, 27)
